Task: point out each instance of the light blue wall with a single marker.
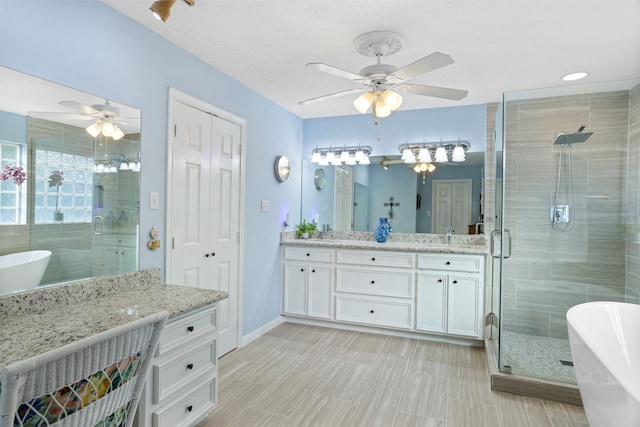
(91, 47)
(432, 125)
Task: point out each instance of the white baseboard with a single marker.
(260, 331)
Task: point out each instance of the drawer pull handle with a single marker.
(439, 280)
(190, 366)
(447, 263)
(373, 282)
(213, 254)
(206, 255)
(190, 328)
(455, 281)
(308, 254)
(189, 408)
(302, 269)
(371, 312)
(373, 258)
(313, 271)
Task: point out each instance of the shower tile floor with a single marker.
(537, 357)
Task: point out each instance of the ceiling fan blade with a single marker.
(421, 66)
(333, 95)
(334, 71)
(435, 91)
(55, 117)
(79, 107)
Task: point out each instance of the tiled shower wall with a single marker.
(550, 271)
(632, 282)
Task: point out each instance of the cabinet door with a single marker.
(432, 303)
(463, 305)
(320, 286)
(295, 289)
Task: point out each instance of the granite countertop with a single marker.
(400, 246)
(38, 321)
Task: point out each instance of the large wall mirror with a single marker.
(80, 199)
(397, 192)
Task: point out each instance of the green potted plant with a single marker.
(306, 228)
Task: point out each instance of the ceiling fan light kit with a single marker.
(379, 80)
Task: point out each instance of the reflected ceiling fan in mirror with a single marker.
(381, 84)
(107, 119)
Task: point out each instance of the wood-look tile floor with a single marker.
(297, 375)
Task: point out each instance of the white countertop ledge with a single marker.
(402, 246)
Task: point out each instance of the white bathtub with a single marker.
(605, 345)
(22, 271)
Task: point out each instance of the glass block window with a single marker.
(63, 187)
(12, 196)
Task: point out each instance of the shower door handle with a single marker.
(97, 225)
(494, 236)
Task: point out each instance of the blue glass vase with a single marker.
(382, 231)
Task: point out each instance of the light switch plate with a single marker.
(265, 205)
(154, 204)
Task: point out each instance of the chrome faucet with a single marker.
(449, 234)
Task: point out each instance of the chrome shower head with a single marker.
(572, 138)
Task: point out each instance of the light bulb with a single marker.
(344, 156)
(330, 156)
(381, 109)
(100, 167)
(336, 161)
(117, 133)
(359, 155)
(407, 154)
(365, 160)
(363, 102)
(441, 155)
(424, 155)
(351, 160)
(323, 161)
(124, 166)
(392, 99)
(458, 154)
(107, 129)
(94, 129)
(315, 157)
(431, 167)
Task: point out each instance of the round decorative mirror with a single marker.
(319, 179)
(282, 168)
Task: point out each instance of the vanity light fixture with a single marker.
(428, 152)
(162, 8)
(337, 156)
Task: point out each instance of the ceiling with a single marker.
(498, 46)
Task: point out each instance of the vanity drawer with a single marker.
(308, 254)
(188, 410)
(377, 312)
(171, 375)
(468, 263)
(377, 258)
(391, 283)
(181, 331)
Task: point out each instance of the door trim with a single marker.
(177, 96)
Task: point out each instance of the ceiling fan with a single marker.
(106, 118)
(380, 83)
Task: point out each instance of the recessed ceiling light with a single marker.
(575, 76)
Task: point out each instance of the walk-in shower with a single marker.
(562, 211)
(568, 215)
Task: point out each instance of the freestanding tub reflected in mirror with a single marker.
(22, 271)
(605, 345)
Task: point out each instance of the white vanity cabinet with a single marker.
(308, 282)
(182, 386)
(449, 294)
(375, 288)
